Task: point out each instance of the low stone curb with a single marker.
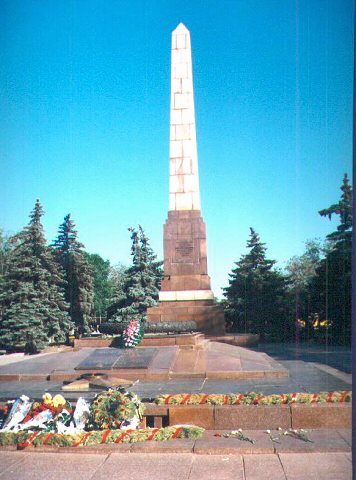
(252, 417)
(316, 415)
(213, 443)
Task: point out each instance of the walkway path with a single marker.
(179, 466)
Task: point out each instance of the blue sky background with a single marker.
(84, 109)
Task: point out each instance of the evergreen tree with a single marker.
(142, 282)
(5, 248)
(32, 297)
(103, 286)
(331, 287)
(79, 292)
(344, 210)
(255, 295)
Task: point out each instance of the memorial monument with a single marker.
(185, 291)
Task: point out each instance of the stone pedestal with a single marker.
(208, 316)
(185, 291)
(185, 255)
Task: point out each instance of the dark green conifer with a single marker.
(79, 292)
(142, 282)
(255, 295)
(344, 210)
(32, 297)
(331, 287)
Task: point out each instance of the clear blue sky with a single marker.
(84, 116)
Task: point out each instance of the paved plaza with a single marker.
(184, 466)
(311, 369)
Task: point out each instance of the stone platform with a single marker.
(194, 357)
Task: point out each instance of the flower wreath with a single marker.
(115, 409)
(132, 334)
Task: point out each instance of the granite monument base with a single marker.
(208, 316)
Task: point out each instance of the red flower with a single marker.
(4, 410)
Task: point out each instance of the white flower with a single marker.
(268, 431)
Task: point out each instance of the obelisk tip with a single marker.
(181, 27)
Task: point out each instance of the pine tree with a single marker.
(5, 248)
(32, 297)
(331, 288)
(79, 292)
(255, 295)
(142, 282)
(344, 209)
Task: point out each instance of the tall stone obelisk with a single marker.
(185, 291)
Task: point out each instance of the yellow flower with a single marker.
(58, 400)
(47, 399)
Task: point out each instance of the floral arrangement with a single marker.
(94, 437)
(299, 434)
(113, 417)
(49, 414)
(116, 409)
(110, 409)
(55, 405)
(235, 434)
(132, 334)
(4, 412)
(253, 398)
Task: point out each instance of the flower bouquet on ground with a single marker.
(52, 414)
(113, 417)
(299, 434)
(15, 413)
(48, 415)
(132, 334)
(239, 435)
(4, 412)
